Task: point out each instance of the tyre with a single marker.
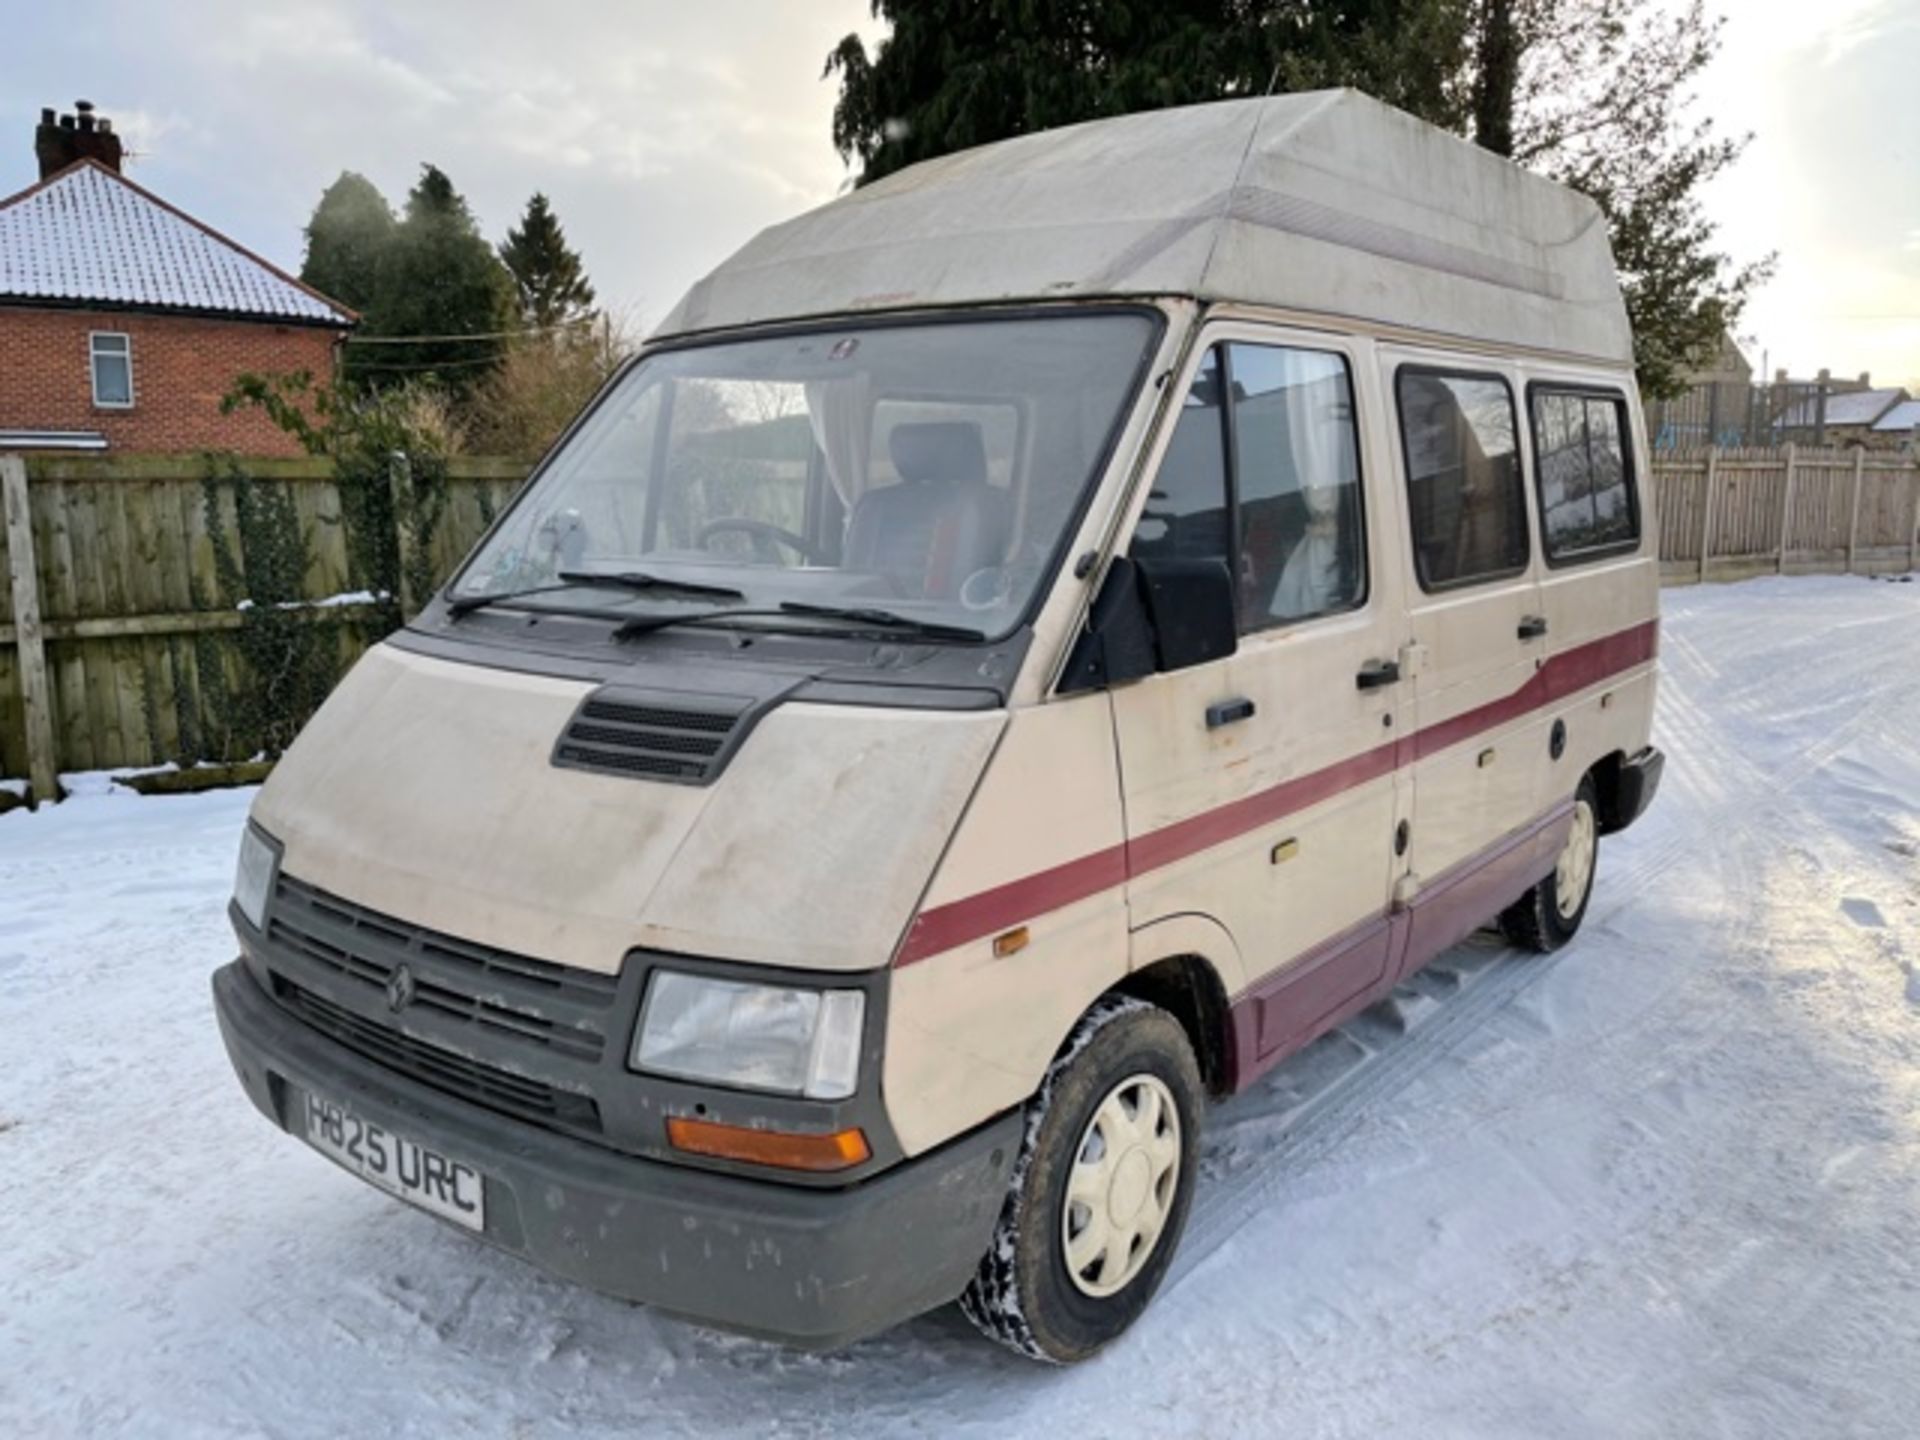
(1549, 914)
(1100, 1193)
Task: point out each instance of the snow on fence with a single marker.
(122, 637)
(1730, 514)
(120, 646)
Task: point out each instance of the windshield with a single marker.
(929, 470)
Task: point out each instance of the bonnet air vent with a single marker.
(666, 735)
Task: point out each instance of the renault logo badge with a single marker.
(400, 988)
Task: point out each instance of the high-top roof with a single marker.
(88, 236)
(1328, 202)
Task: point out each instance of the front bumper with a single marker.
(811, 1267)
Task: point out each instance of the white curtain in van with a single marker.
(1319, 431)
(842, 419)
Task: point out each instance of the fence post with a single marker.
(1786, 508)
(1913, 535)
(43, 771)
(400, 487)
(1853, 512)
(1711, 484)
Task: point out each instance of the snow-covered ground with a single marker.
(1666, 1182)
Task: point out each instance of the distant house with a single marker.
(124, 322)
(1852, 416)
(1899, 423)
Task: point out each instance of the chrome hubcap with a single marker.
(1120, 1191)
(1574, 873)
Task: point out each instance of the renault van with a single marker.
(1025, 648)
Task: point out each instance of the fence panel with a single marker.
(142, 574)
(1681, 498)
(1826, 529)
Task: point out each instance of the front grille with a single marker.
(502, 1030)
(532, 1002)
(442, 1069)
(688, 742)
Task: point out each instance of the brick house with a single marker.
(124, 322)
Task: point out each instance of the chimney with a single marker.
(59, 140)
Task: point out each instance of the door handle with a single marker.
(1376, 673)
(1229, 712)
(1532, 627)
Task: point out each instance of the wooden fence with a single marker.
(120, 634)
(1731, 514)
(122, 645)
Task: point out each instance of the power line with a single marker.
(478, 335)
(426, 364)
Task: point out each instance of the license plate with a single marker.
(396, 1164)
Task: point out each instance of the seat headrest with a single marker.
(942, 452)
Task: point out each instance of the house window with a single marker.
(112, 357)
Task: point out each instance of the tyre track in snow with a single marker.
(1702, 757)
(1707, 762)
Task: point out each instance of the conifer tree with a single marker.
(350, 229)
(437, 277)
(549, 277)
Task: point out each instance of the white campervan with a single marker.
(1028, 646)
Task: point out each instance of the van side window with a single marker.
(1186, 512)
(1587, 503)
(1464, 495)
(1297, 479)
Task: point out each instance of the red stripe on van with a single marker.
(946, 926)
(1005, 906)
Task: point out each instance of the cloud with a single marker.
(665, 133)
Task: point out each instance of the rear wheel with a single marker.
(1101, 1190)
(1549, 914)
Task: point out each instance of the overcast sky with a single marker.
(666, 132)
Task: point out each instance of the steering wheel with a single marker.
(765, 536)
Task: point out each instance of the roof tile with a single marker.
(90, 234)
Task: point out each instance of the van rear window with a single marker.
(1587, 505)
(1464, 494)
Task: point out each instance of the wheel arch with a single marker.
(1189, 966)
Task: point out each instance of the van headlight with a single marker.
(253, 878)
(757, 1037)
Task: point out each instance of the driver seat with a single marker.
(942, 522)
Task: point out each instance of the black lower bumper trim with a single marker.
(1638, 782)
(816, 1268)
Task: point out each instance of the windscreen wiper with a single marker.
(464, 604)
(573, 579)
(881, 621)
(641, 580)
(886, 619)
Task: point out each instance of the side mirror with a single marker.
(1153, 615)
(1190, 603)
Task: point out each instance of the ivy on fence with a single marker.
(390, 470)
(260, 566)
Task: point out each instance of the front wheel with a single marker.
(1549, 914)
(1101, 1191)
